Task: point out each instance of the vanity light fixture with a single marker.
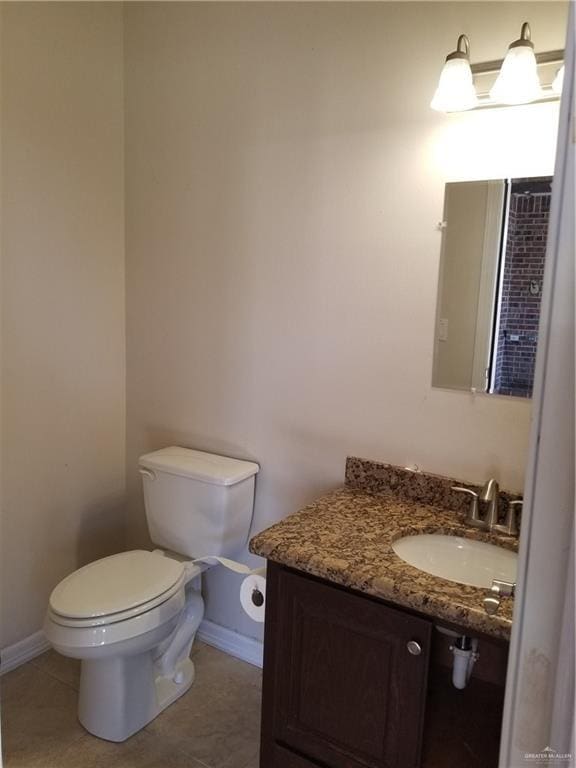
(514, 80)
(518, 81)
(456, 92)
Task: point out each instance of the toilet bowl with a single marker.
(131, 618)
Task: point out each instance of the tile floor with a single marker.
(215, 725)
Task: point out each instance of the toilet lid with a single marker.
(114, 584)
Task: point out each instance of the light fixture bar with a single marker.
(485, 102)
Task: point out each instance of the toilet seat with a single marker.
(115, 589)
(84, 641)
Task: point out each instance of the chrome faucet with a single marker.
(491, 493)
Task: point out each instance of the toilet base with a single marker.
(168, 691)
(119, 696)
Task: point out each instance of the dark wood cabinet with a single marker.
(345, 678)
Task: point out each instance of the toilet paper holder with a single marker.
(257, 597)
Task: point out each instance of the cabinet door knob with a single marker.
(414, 648)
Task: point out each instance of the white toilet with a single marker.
(131, 618)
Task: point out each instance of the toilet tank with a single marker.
(198, 503)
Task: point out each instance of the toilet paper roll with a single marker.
(252, 589)
(253, 595)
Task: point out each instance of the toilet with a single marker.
(131, 618)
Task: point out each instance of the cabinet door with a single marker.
(347, 692)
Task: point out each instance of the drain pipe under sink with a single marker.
(465, 650)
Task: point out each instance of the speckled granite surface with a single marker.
(422, 487)
(346, 537)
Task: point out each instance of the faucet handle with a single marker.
(460, 489)
(473, 517)
(511, 517)
(498, 590)
(510, 528)
(503, 588)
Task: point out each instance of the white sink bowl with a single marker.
(465, 561)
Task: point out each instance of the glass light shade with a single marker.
(558, 81)
(455, 92)
(517, 82)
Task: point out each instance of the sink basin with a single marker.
(455, 558)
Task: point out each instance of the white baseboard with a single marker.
(19, 653)
(232, 643)
(226, 640)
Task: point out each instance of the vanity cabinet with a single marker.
(345, 677)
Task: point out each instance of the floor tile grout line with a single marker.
(184, 752)
(196, 762)
(56, 752)
(52, 675)
(251, 760)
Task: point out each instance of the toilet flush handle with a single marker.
(147, 473)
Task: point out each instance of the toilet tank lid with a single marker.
(206, 467)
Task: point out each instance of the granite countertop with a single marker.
(346, 537)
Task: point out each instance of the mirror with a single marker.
(489, 291)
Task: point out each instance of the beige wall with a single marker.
(63, 351)
(285, 176)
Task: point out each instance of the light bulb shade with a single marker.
(518, 81)
(455, 92)
(558, 81)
